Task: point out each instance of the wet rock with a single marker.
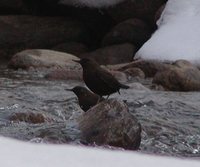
(135, 72)
(114, 54)
(22, 32)
(181, 76)
(34, 118)
(133, 31)
(149, 67)
(138, 86)
(110, 123)
(40, 58)
(12, 7)
(62, 74)
(144, 10)
(74, 48)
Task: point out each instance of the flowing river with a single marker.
(170, 120)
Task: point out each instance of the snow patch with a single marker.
(178, 34)
(16, 153)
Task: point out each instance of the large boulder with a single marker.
(113, 54)
(40, 58)
(110, 123)
(29, 32)
(182, 76)
(142, 9)
(132, 30)
(12, 7)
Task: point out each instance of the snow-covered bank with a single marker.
(91, 3)
(21, 154)
(178, 34)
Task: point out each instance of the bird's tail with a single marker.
(124, 86)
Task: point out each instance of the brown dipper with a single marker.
(98, 80)
(86, 98)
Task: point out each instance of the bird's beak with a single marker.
(68, 89)
(78, 61)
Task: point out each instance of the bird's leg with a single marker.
(118, 91)
(107, 97)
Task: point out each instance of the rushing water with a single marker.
(170, 120)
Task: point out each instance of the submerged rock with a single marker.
(40, 58)
(181, 76)
(110, 123)
(34, 118)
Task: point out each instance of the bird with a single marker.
(86, 98)
(99, 80)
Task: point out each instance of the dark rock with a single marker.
(42, 7)
(12, 7)
(40, 58)
(22, 32)
(114, 54)
(110, 123)
(142, 9)
(34, 118)
(132, 31)
(182, 76)
(135, 72)
(159, 12)
(74, 48)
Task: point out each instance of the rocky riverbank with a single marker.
(46, 36)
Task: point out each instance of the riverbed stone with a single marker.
(113, 54)
(132, 31)
(110, 123)
(135, 72)
(33, 118)
(19, 32)
(149, 67)
(41, 58)
(182, 76)
(64, 74)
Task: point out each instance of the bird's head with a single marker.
(78, 90)
(85, 62)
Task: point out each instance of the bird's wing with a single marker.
(107, 78)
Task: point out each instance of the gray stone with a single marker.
(40, 58)
(181, 76)
(110, 123)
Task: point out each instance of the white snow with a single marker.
(16, 153)
(178, 34)
(91, 3)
